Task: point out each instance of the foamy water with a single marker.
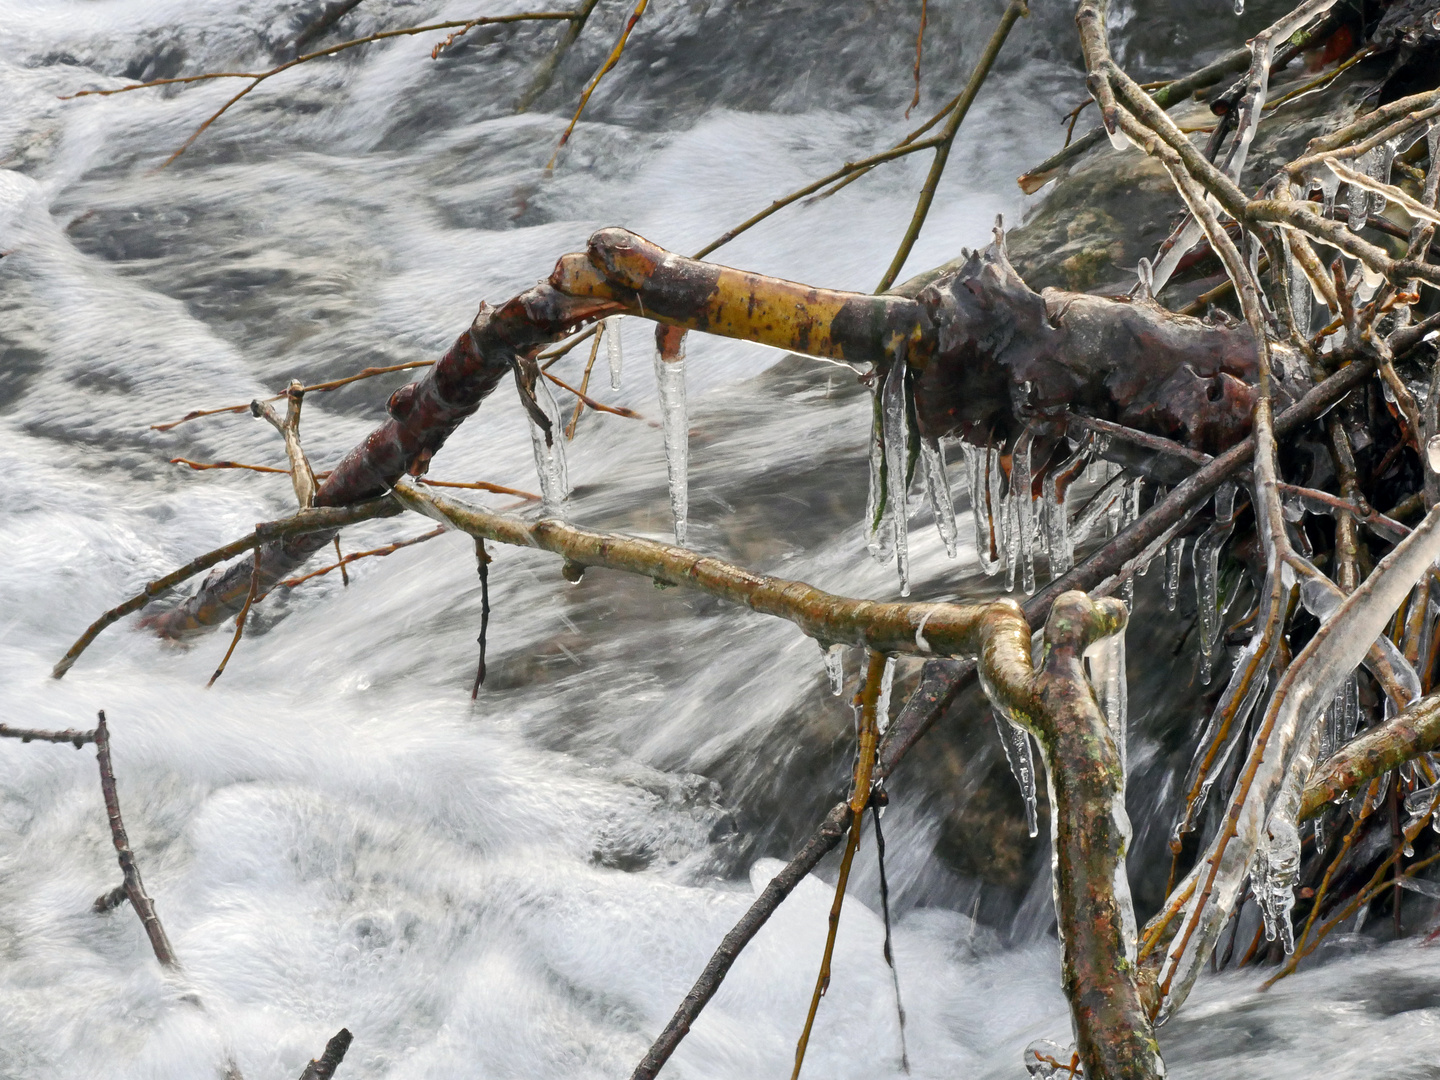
(334, 834)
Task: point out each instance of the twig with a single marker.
(479, 485)
(324, 1068)
(866, 700)
(482, 568)
(70, 735)
(919, 52)
(302, 477)
(1014, 10)
(307, 521)
(344, 561)
(616, 410)
(823, 841)
(545, 72)
(240, 619)
(889, 953)
(610, 62)
(584, 384)
(257, 77)
(206, 466)
(333, 13)
(134, 887)
(344, 574)
(333, 384)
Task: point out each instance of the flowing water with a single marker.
(525, 885)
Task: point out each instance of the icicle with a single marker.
(549, 457)
(1350, 714)
(937, 490)
(1359, 198)
(1106, 660)
(1057, 528)
(670, 378)
(999, 513)
(1016, 741)
(611, 330)
(1329, 185)
(887, 683)
(878, 526)
(1174, 559)
(1022, 516)
(897, 458)
(1130, 511)
(1207, 575)
(835, 668)
(1384, 159)
(976, 462)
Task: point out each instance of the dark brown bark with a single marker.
(323, 1068)
(133, 886)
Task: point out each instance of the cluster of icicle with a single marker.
(670, 383)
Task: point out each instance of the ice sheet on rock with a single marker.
(937, 490)
(610, 327)
(835, 668)
(1105, 660)
(670, 380)
(549, 454)
(1016, 741)
(897, 459)
(1206, 560)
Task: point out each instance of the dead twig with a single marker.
(919, 52)
(250, 598)
(70, 735)
(610, 62)
(315, 520)
(257, 77)
(134, 887)
(346, 560)
(324, 1067)
(1014, 10)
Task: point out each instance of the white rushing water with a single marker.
(335, 834)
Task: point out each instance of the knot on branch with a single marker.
(1076, 622)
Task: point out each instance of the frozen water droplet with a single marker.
(1174, 560)
(611, 330)
(670, 379)
(1432, 453)
(1239, 7)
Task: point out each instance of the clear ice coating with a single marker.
(1106, 662)
(835, 668)
(897, 457)
(1016, 741)
(1206, 561)
(1022, 516)
(879, 526)
(1000, 529)
(937, 490)
(549, 454)
(887, 684)
(1057, 529)
(670, 380)
(610, 327)
(1174, 560)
